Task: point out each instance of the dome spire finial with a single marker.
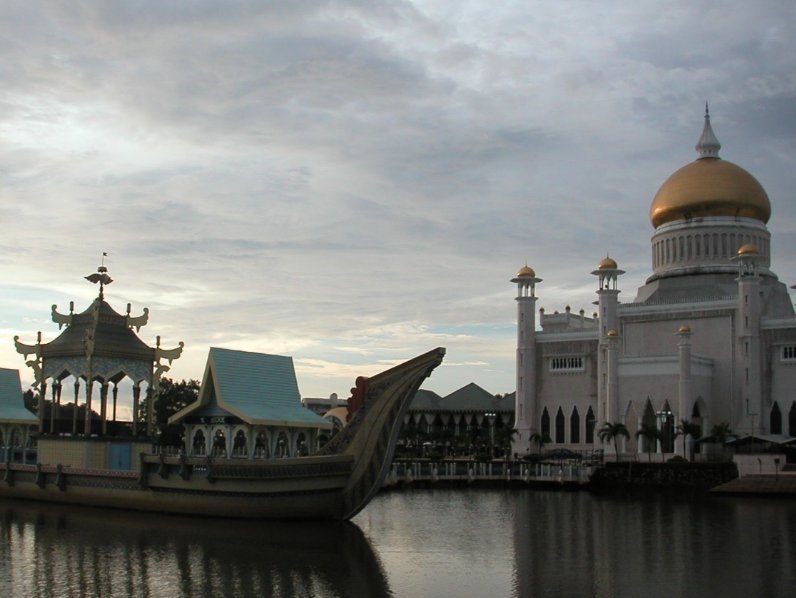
(708, 145)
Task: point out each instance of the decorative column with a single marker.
(748, 347)
(104, 408)
(612, 377)
(42, 404)
(115, 398)
(87, 419)
(74, 411)
(136, 400)
(56, 395)
(525, 412)
(607, 274)
(684, 394)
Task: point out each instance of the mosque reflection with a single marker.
(63, 551)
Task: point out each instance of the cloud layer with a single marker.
(353, 183)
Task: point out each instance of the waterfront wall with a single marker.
(662, 476)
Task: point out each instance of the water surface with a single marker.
(413, 543)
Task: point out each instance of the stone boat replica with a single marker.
(226, 479)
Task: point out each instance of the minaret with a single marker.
(607, 274)
(750, 417)
(684, 387)
(526, 417)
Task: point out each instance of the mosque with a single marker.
(710, 338)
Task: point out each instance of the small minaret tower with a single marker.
(684, 385)
(750, 418)
(525, 410)
(607, 274)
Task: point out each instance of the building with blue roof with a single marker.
(17, 424)
(249, 406)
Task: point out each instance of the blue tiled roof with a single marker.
(256, 387)
(12, 407)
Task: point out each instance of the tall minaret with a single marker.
(684, 385)
(750, 418)
(607, 274)
(526, 417)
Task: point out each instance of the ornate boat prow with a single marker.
(376, 411)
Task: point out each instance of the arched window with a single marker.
(574, 426)
(590, 421)
(219, 444)
(792, 419)
(240, 446)
(561, 425)
(545, 423)
(282, 445)
(302, 447)
(775, 423)
(198, 446)
(261, 446)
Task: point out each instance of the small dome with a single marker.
(607, 264)
(526, 272)
(749, 249)
(613, 333)
(684, 329)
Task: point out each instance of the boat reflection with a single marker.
(77, 551)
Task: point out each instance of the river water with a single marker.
(414, 543)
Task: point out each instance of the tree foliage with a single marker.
(610, 432)
(173, 397)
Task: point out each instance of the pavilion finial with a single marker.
(101, 277)
(708, 145)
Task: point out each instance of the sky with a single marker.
(355, 183)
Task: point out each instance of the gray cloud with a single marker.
(353, 182)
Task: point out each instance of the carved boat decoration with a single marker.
(334, 483)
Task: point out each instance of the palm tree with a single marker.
(504, 437)
(611, 432)
(651, 434)
(721, 432)
(540, 438)
(686, 428)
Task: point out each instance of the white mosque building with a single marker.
(710, 338)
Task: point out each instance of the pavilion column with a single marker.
(56, 400)
(115, 397)
(42, 402)
(87, 420)
(136, 399)
(74, 411)
(150, 411)
(104, 408)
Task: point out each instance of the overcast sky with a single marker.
(355, 183)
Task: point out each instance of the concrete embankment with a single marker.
(662, 476)
(783, 484)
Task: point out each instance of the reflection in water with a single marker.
(60, 551)
(541, 543)
(577, 544)
(431, 543)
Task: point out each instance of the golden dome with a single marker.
(525, 272)
(613, 333)
(607, 264)
(684, 329)
(710, 187)
(749, 249)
